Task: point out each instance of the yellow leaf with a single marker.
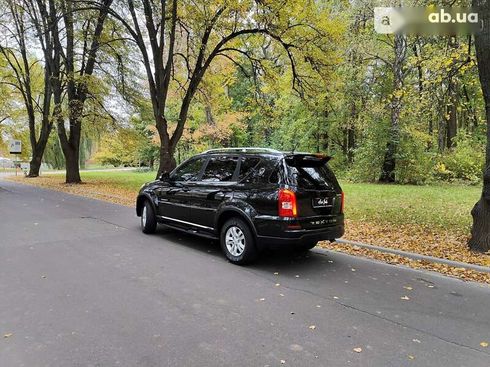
(484, 344)
(357, 350)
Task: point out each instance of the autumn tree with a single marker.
(69, 36)
(27, 75)
(175, 35)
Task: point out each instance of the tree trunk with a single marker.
(35, 163)
(72, 165)
(451, 111)
(209, 114)
(71, 151)
(480, 231)
(351, 142)
(167, 161)
(39, 148)
(389, 161)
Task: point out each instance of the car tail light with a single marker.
(287, 203)
(342, 200)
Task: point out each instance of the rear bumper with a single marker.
(274, 231)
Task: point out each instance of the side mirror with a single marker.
(165, 176)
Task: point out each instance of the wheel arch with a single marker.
(141, 200)
(231, 212)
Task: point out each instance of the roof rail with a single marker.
(242, 150)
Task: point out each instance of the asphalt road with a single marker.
(80, 285)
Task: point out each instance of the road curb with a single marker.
(411, 255)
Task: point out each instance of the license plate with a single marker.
(322, 202)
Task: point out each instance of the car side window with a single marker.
(260, 173)
(189, 171)
(220, 169)
(247, 166)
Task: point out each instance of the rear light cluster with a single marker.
(342, 201)
(287, 203)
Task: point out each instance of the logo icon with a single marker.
(387, 20)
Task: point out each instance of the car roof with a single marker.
(244, 150)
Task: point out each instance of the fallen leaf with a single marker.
(408, 288)
(8, 335)
(277, 284)
(411, 357)
(282, 295)
(312, 327)
(405, 298)
(484, 344)
(357, 350)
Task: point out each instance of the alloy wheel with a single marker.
(235, 241)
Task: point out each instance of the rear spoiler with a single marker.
(306, 159)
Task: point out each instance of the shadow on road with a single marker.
(287, 260)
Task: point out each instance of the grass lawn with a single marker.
(440, 206)
(129, 180)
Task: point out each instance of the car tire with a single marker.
(238, 242)
(148, 218)
(307, 246)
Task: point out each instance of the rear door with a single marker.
(258, 182)
(318, 192)
(215, 186)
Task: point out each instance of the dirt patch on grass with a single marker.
(451, 245)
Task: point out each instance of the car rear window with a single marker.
(220, 169)
(320, 177)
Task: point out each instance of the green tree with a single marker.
(190, 35)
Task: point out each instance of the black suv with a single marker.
(249, 199)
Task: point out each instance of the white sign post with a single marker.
(15, 147)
